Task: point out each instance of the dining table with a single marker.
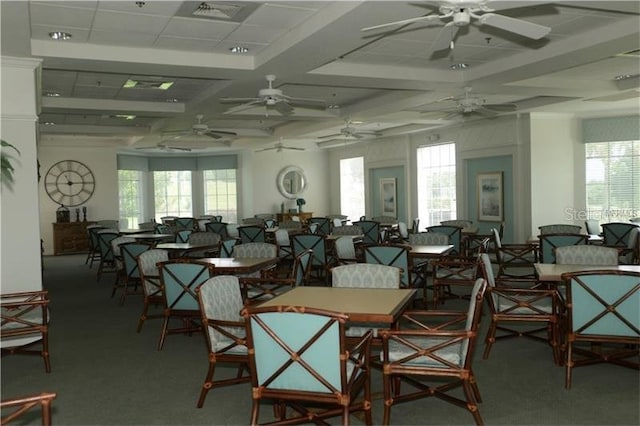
(552, 272)
(151, 237)
(180, 249)
(362, 305)
(240, 265)
(422, 251)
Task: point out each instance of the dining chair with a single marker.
(284, 244)
(548, 243)
(259, 289)
(168, 220)
(603, 319)
(152, 289)
(185, 223)
(436, 345)
(94, 249)
(251, 234)
(454, 233)
(118, 262)
(226, 247)
(370, 231)
(422, 269)
(517, 309)
(321, 261)
(266, 250)
(270, 223)
(587, 255)
(453, 271)
(415, 226)
(180, 278)
(461, 223)
(298, 357)
(344, 250)
(107, 258)
(560, 228)
(219, 228)
(20, 408)
(623, 236)
(182, 236)
(515, 260)
(391, 255)
(224, 331)
(131, 271)
(592, 226)
(347, 230)
(323, 227)
(25, 323)
(210, 240)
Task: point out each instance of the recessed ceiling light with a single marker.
(459, 66)
(622, 77)
(238, 49)
(125, 116)
(59, 35)
(147, 84)
(333, 106)
(172, 100)
(49, 123)
(52, 94)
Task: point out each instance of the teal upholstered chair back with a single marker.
(604, 303)
(454, 233)
(130, 253)
(226, 247)
(429, 239)
(550, 242)
(255, 250)
(592, 226)
(391, 255)
(92, 231)
(324, 225)
(365, 275)
(148, 268)
(221, 300)
(586, 255)
(162, 228)
(315, 242)
(183, 235)
(270, 223)
(219, 228)
(370, 230)
(316, 337)
(104, 244)
(182, 223)
(616, 234)
(180, 280)
(251, 234)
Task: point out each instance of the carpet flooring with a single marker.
(105, 373)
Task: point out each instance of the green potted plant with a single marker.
(5, 163)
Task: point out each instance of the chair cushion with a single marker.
(449, 353)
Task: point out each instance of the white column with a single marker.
(20, 224)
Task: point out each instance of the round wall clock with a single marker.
(69, 183)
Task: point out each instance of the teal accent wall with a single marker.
(388, 172)
(502, 164)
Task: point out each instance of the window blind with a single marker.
(611, 129)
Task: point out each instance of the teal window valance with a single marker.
(176, 163)
(611, 129)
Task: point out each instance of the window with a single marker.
(613, 180)
(436, 183)
(352, 187)
(220, 194)
(172, 192)
(131, 198)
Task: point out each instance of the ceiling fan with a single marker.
(200, 129)
(165, 148)
(272, 98)
(351, 132)
(466, 104)
(279, 147)
(461, 13)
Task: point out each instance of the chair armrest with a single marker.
(434, 320)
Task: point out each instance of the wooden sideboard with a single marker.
(70, 237)
(286, 217)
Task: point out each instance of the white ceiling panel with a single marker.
(127, 22)
(47, 14)
(199, 28)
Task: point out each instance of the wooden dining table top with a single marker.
(240, 265)
(553, 271)
(151, 236)
(363, 305)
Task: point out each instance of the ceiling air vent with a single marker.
(221, 11)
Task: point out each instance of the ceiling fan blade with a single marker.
(518, 26)
(238, 100)
(283, 108)
(485, 112)
(501, 107)
(450, 116)
(330, 136)
(218, 134)
(176, 148)
(293, 148)
(496, 5)
(402, 22)
(238, 109)
(306, 101)
(445, 37)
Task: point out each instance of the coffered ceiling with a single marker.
(378, 83)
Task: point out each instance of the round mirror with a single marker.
(291, 182)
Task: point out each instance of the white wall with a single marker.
(20, 236)
(554, 139)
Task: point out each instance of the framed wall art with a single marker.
(388, 197)
(490, 197)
